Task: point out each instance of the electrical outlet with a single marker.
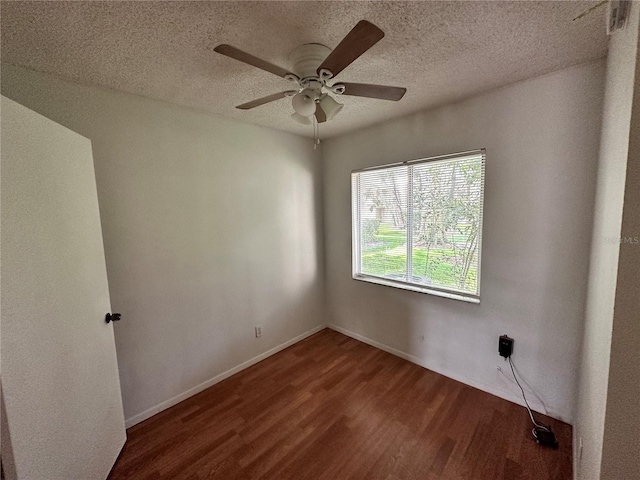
(258, 331)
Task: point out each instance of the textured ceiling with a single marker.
(440, 51)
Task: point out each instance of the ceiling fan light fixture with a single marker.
(304, 103)
(330, 106)
(301, 119)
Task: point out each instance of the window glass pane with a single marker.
(418, 225)
(447, 221)
(383, 222)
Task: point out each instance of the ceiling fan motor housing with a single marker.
(307, 58)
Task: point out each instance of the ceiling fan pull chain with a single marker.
(315, 133)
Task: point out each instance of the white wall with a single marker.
(542, 138)
(210, 227)
(609, 382)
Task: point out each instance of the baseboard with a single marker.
(140, 417)
(509, 396)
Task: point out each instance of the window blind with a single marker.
(418, 225)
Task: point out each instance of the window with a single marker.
(418, 225)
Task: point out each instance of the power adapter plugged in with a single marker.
(505, 346)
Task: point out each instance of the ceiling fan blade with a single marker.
(360, 39)
(245, 57)
(263, 100)
(321, 116)
(373, 91)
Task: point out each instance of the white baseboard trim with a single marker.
(511, 397)
(140, 417)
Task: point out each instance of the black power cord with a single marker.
(542, 433)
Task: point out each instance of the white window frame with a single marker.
(405, 285)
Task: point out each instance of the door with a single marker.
(60, 386)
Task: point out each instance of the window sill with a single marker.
(417, 288)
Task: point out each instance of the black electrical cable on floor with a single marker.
(542, 433)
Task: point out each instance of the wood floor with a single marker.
(331, 407)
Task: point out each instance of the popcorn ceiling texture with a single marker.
(440, 51)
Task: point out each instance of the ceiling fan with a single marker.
(315, 66)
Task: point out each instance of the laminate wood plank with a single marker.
(442, 456)
(305, 444)
(331, 407)
(205, 455)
